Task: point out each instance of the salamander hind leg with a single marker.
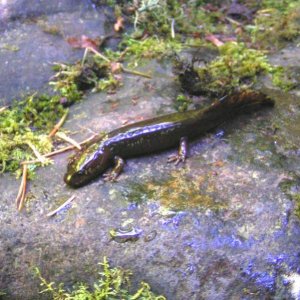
(182, 152)
(116, 171)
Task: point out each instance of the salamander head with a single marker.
(87, 164)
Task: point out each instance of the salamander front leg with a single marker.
(182, 152)
(116, 171)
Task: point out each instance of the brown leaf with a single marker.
(115, 67)
(84, 42)
(119, 25)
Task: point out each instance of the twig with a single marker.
(59, 124)
(29, 162)
(3, 108)
(136, 73)
(98, 53)
(122, 55)
(172, 28)
(38, 155)
(53, 153)
(123, 69)
(54, 212)
(86, 50)
(22, 190)
(62, 136)
(233, 21)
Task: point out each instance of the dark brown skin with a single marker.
(155, 135)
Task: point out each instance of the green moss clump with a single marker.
(284, 78)
(113, 283)
(182, 103)
(151, 47)
(236, 66)
(24, 127)
(93, 73)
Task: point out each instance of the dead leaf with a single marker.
(119, 25)
(115, 67)
(84, 42)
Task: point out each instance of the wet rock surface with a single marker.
(218, 227)
(33, 37)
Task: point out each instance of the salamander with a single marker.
(154, 135)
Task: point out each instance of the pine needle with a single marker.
(22, 190)
(54, 212)
(59, 124)
(69, 140)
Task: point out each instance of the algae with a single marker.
(181, 193)
(177, 192)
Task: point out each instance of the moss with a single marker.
(182, 102)
(24, 126)
(155, 17)
(275, 26)
(284, 78)
(113, 283)
(235, 66)
(296, 198)
(152, 47)
(287, 186)
(47, 28)
(9, 47)
(281, 5)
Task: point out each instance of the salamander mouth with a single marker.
(76, 180)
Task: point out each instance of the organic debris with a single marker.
(59, 124)
(84, 42)
(20, 199)
(23, 130)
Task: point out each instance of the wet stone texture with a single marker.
(221, 226)
(33, 37)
